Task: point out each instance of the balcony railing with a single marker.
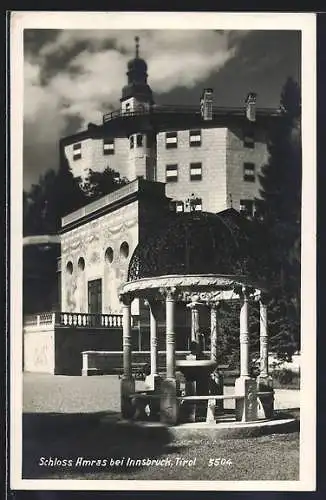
(75, 319)
(184, 109)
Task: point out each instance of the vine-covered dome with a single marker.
(194, 243)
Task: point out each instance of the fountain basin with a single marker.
(194, 369)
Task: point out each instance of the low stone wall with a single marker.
(109, 362)
(58, 350)
(39, 350)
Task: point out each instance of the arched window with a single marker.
(109, 255)
(69, 267)
(81, 263)
(124, 250)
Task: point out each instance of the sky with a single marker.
(72, 77)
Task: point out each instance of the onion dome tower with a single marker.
(137, 94)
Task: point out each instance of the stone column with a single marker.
(194, 307)
(169, 412)
(245, 387)
(127, 341)
(244, 335)
(264, 381)
(153, 311)
(214, 330)
(263, 338)
(170, 334)
(127, 381)
(216, 377)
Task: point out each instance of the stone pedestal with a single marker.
(154, 382)
(216, 387)
(246, 407)
(265, 402)
(169, 404)
(127, 388)
(211, 407)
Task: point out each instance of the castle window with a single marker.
(249, 139)
(109, 255)
(124, 250)
(194, 138)
(171, 173)
(81, 264)
(139, 140)
(69, 267)
(171, 140)
(198, 205)
(131, 142)
(108, 146)
(77, 151)
(246, 207)
(179, 206)
(195, 171)
(249, 172)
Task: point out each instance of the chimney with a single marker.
(206, 104)
(251, 106)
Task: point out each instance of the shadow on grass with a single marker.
(53, 443)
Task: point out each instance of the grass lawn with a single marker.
(67, 417)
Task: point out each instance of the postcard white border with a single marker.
(306, 23)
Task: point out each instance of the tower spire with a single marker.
(137, 46)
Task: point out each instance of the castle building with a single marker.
(210, 153)
(189, 157)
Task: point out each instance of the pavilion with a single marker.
(197, 259)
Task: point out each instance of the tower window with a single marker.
(171, 140)
(179, 206)
(249, 139)
(194, 138)
(246, 207)
(249, 172)
(195, 171)
(139, 140)
(171, 173)
(108, 146)
(77, 151)
(131, 142)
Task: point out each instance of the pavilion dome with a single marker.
(194, 243)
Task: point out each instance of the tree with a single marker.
(98, 184)
(280, 241)
(55, 195)
(58, 193)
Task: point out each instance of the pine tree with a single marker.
(280, 192)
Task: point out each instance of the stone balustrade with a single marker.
(80, 320)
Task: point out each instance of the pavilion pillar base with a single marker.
(246, 407)
(194, 411)
(266, 402)
(169, 404)
(155, 381)
(127, 388)
(217, 389)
